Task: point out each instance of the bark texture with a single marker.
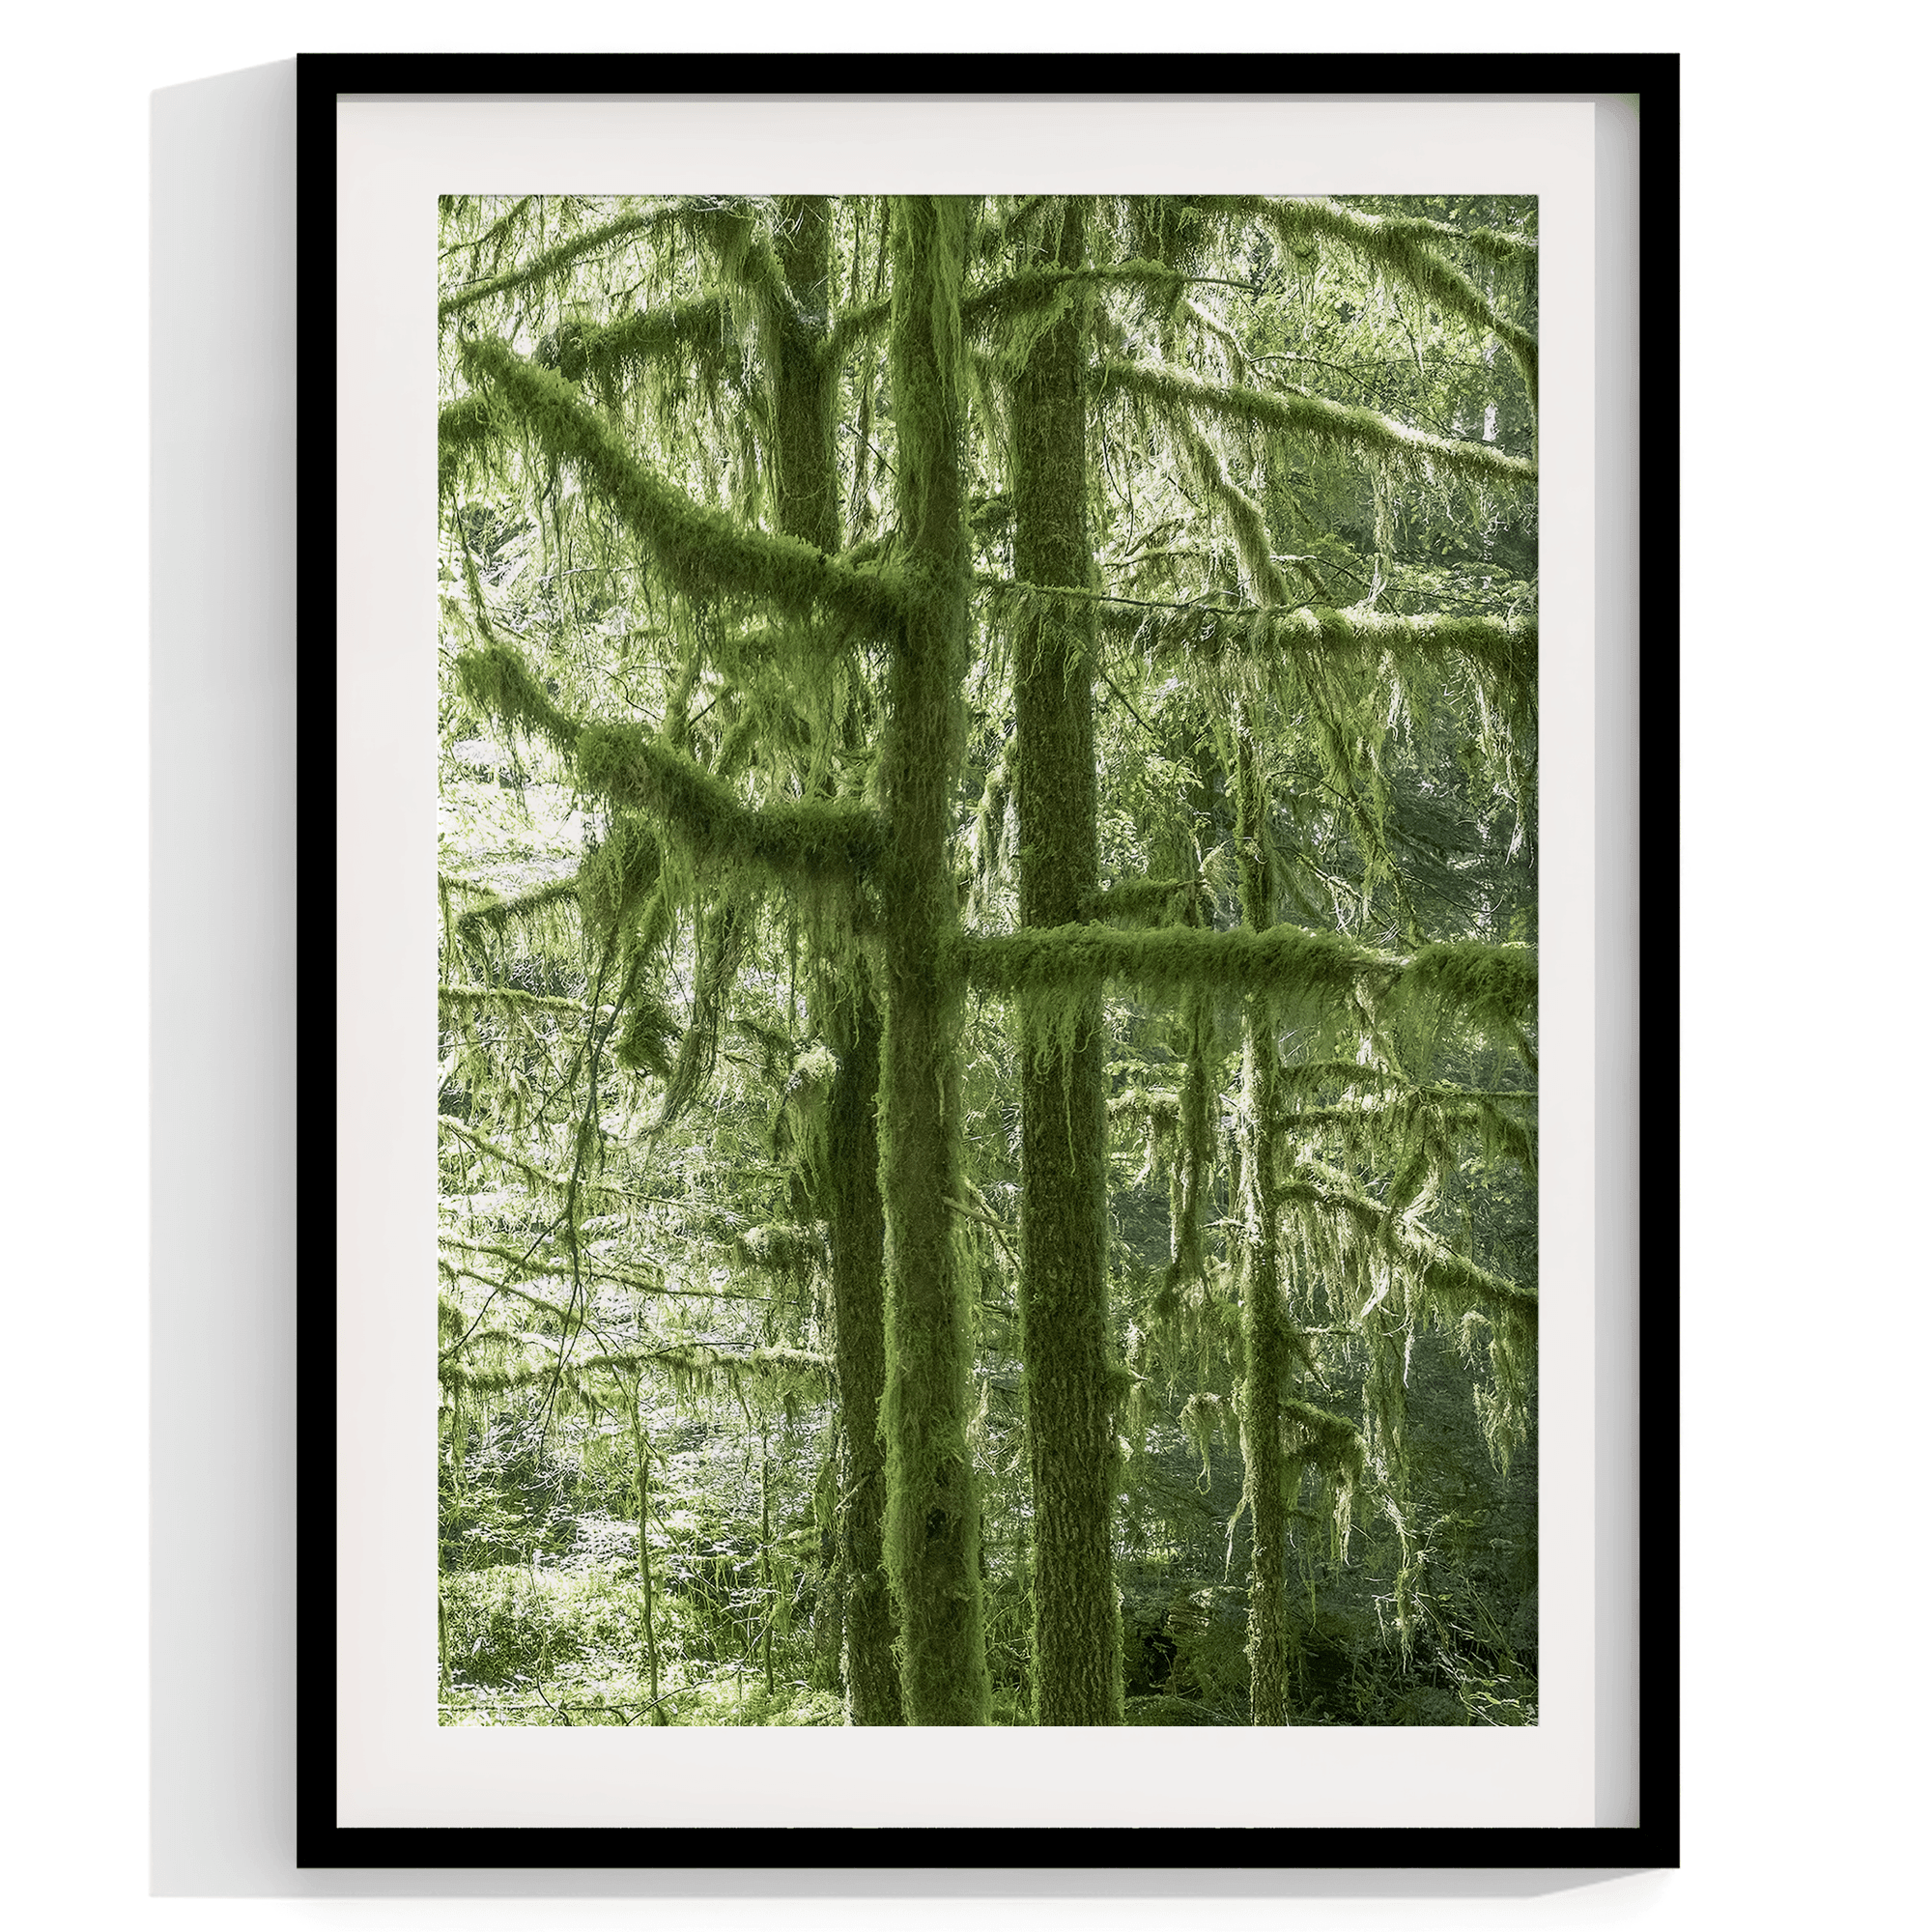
(1070, 1439)
(804, 392)
(933, 1512)
(858, 1296)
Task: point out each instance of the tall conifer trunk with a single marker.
(932, 1514)
(1062, 1098)
(1265, 1336)
(857, 1304)
(805, 391)
(805, 378)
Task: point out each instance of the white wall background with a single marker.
(1804, 686)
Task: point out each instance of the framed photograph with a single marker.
(974, 724)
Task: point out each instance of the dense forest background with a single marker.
(988, 904)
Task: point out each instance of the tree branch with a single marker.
(705, 555)
(1336, 425)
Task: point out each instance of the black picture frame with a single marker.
(1652, 1843)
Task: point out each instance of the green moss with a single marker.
(806, 841)
(1070, 1396)
(705, 555)
(615, 880)
(1315, 421)
(466, 431)
(1069, 959)
(510, 999)
(1138, 902)
(698, 331)
(933, 1512)
(1400, 250)
(497, 681)
(1218, 631)
(497, 916)
(548, 268)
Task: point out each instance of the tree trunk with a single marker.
(804, 377)
(1063, 1098)
(1264, 1338)
(804, 394)
(857, 1315)
(933, 1515)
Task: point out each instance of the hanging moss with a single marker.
(604, 357)
(1478, 1305)
(615, 879)
(724, 937)
(804, 842)
(540, 1176)
(692, 1368)
(549, 267)
(498, 915)
(704, 554)
(1331, 1445)
(465, 432)
(1001, 228)
(644, 1044)
(1315, 421)
(1383, 1111)
(1019, 309)
(1137, 901)
(1398, 248)
(497, 681)
(1460, 982)
(1216, 630)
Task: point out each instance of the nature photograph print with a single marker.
(988, 878)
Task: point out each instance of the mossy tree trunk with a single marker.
(858, 1314)
(933, 1515)
(804, 462)
(1266, 1345)
(805, 378)
(1063, 1096)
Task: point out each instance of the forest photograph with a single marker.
(987, 1011)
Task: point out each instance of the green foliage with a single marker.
(773, 971)
(1315, 421)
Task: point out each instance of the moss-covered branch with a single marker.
(556, 260)
(498, 915)
(705, 554)
(620, 350)
(1504, 655)
(509, 999)
(813, 840)
(1315, 418)
(1492, 244)
(497, 681)
(1491, 985)
(690, 1366)
(1035, 296)
(806, 840)
(1399, 247)
(1331, 1442)
(1457, 1282)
